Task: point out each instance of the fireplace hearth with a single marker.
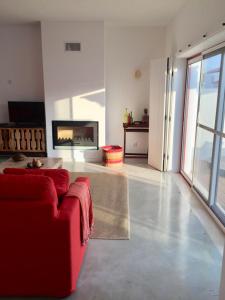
(81, 135)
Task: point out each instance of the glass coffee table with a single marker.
(48, 163)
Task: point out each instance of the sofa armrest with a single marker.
(85, 180)
(68, 207)
(70, 202)
(68, 226)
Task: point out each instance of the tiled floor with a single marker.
(175, 250)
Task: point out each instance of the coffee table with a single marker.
(49, 163)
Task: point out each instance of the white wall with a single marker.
(126, 50)
(21, 74)
(74, 81)
(196, 18)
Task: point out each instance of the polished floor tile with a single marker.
(170, 256)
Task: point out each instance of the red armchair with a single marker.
(40, 251)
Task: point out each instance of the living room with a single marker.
(81, 66)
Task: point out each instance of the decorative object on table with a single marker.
(125, 116)
(36, 163)
(130, 118)
(137, 74)
(145, 117)
(18, 157)
(112, 156)
(137, 123)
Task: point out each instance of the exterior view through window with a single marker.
(203, 145)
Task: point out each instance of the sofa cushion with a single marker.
(60, 177)
(27, 188)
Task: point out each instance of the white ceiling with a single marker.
(134, 12)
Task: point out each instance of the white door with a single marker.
(175, 115)
(157, 101)
(222, 283)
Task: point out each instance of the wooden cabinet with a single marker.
(16, 139)
(133, 128)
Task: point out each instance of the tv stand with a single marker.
(19, 137)
(22, 125)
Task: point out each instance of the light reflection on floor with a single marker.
(175, 248)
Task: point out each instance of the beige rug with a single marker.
(111, 209)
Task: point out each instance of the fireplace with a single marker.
(81, 135)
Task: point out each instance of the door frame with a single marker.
(190, 61)
(167, 123)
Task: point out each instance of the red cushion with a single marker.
(26, 188)
(60, 177)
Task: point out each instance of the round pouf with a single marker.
(112, 156)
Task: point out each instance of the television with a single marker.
(26, 112)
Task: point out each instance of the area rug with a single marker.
(111, 207)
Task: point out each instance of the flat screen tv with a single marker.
(26, 112)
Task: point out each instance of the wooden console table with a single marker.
(19, 139)
(134, 128)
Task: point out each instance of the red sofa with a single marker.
(40, 250)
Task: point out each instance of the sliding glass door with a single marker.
(220, 192)
(208, 100)
(217, 197)
(203, 148)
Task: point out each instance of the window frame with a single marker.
(218, 131)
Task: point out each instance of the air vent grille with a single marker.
(72, 47)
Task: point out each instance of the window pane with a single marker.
(209, 90)
(203, 160)
(190, 117)
(221, 179)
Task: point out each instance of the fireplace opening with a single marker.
(82, 135)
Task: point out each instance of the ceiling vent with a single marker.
(72, 47)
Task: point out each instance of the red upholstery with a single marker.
(26, 188)
(40, 250)
(59, 176)
(84, 179)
